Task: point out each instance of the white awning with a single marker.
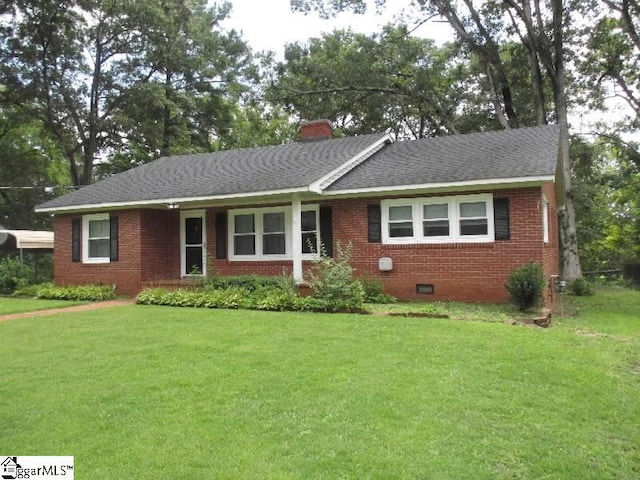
(29, 239)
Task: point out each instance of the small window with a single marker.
(400, 221)
(545, 220)
(436, 220)
(244, 238)
(425, 288)
(273, 236)
(97, 238)
(473, 218)
(309, 229)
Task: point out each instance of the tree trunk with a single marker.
(568, 233)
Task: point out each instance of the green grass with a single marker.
(10, 305)
(454, 310)
(158, 392)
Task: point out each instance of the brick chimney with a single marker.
(316, 130)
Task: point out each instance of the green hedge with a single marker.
(49, 291)
(274, 299)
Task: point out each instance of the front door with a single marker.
(193, 238)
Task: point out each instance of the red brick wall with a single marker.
(124, 274)
(150, 251)
(461, 271)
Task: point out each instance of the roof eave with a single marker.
(164, 202)
(520, 182)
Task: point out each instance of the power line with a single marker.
(51, 187)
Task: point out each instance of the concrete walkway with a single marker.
(76, 308)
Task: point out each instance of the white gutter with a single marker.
(323, 182)
(433, 186)
(167, 201)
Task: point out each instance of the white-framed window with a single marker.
(460, 218)
(266, 233)
(545, 220)
(96, 235)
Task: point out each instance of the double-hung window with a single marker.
(400, 221)
(435, 221)
(473, 219)
(94, 238)
(97, 238)
(273, 234)
(244, 234)
(266, 233)
(461, 218)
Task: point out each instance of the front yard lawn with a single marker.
(9, 305)
(158, 392)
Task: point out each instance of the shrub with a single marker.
(333, 284)
(87, 293)
(374, 292)
(248, 282)
(14, 274)
(580, 287)
(526, 285)
(202, 298)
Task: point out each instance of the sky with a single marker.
(270, 24)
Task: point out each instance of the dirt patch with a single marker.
(416, 314)
(76, 308)
(543, 322)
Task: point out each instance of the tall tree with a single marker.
(31, 171)
(485, 28)
(95, 73)
(387, 81)
(184, 82)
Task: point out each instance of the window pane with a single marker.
(475, 209)
(193, 231)
(273, 244)
(99, 248)
(401, 229)
(309, 242)
(436, 228)
(474, 227)
(244, 224)
(400, 213)
(99, 228)
(244, 244)
(193, 260)
(440, 210)
(273, 222)
(308, 221)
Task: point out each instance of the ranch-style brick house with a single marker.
(433, 219)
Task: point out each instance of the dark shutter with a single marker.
(76, 238)
(374, 218)
(326, 230)
(221, 235)
(113, 239)
(501, 218)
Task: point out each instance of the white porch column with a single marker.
(296, 241)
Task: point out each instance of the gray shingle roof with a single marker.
(504, 154)
(246, 170)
